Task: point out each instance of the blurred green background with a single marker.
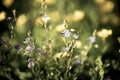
(82, 15)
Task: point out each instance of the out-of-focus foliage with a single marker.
(59, 40)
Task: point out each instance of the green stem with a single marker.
(33, 71)
(70, 59)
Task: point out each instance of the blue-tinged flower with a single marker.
(31, 62)
(40, 52)
(28, 49)
(91, 39)
(79, 61)
(75, 36)
(10, 19)
(27, 40)
(17, 47)
(65, 49)
(66, 33)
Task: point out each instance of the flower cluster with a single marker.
(30, 44)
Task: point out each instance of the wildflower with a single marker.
(10, 19)
(27, 40)
(78, 15)
(17, 47)
(45, 18)
(97, 69)
(29, 49)
(40, 52)
(79, 61)
(66, 33)
(65, 49)
(91, 39)
(75, 36)
(31, 62)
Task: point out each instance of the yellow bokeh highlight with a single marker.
(105, 19)
(37, 1)
(115, 20)
(99, 1)
(78, 15)
(60, 27)
(61, 55)
(78, 44)
(7, 3)
(2, 15)
(96, 46)
(20, 23)
(104, 33)
(21, 20)
(69, 17)
(118, 39)
(50, 2)
(55, 16)
(107, 6)
(38, 21)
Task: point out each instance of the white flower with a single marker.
(40, 52)
(75, 36)
(65, 49)
(91, 39)
(30, 62)
(45, 18)
(27, 40)
(66, 33)
(28, 49)
(79, 61)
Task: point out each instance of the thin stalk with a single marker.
(70, 58)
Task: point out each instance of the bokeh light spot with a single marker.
(38, 21)
(55, 16)
(21, 20)
(2, 15)
(78, 15)
(104, 33)
(7, 3)
(107, 6)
